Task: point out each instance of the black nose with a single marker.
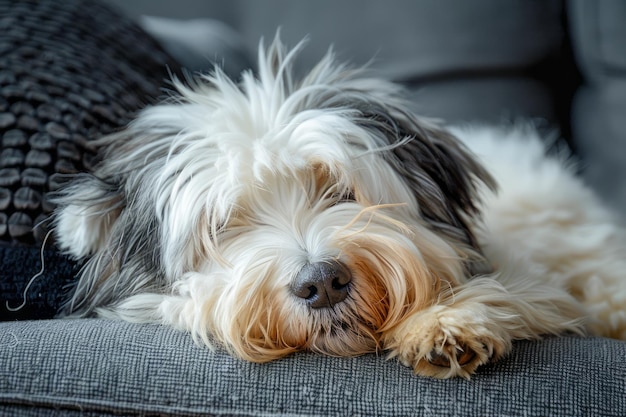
(322, 284)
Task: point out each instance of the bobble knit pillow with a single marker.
(70, 71)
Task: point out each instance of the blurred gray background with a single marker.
(559, 63)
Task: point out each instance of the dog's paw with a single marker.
(447, 343)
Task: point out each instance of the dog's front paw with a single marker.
(445, 343)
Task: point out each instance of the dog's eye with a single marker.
(346, 196)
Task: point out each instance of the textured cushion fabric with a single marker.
(70, 72)
(502, 100)
(27, 294)
(107, 367)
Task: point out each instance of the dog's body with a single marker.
(275, 216)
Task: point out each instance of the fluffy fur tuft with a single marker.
(207, 212)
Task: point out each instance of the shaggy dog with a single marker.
(276, 215)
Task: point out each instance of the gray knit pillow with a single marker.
(70, 71)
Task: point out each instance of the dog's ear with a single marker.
(443, 175)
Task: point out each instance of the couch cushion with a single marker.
(494, 100)
(598, 121)
(599, 36)
(105, 367)
(25, 292)
(482, 61)
(599, 128)
(406, 39)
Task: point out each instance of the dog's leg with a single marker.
(477, 322)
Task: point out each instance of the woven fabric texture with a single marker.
(22, 299)
(105, 368)
(70, 71)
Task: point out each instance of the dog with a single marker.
(276, 215)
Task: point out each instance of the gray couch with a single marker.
(558, 61)
(98, 367)
(561, 64)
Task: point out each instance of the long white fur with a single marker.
(246, 183)
(545, 215)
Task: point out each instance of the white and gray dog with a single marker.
(276, 215)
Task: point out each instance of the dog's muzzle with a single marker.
(322, 284)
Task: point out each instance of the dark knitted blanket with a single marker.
(70, 71)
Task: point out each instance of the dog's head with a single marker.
(276, 215)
